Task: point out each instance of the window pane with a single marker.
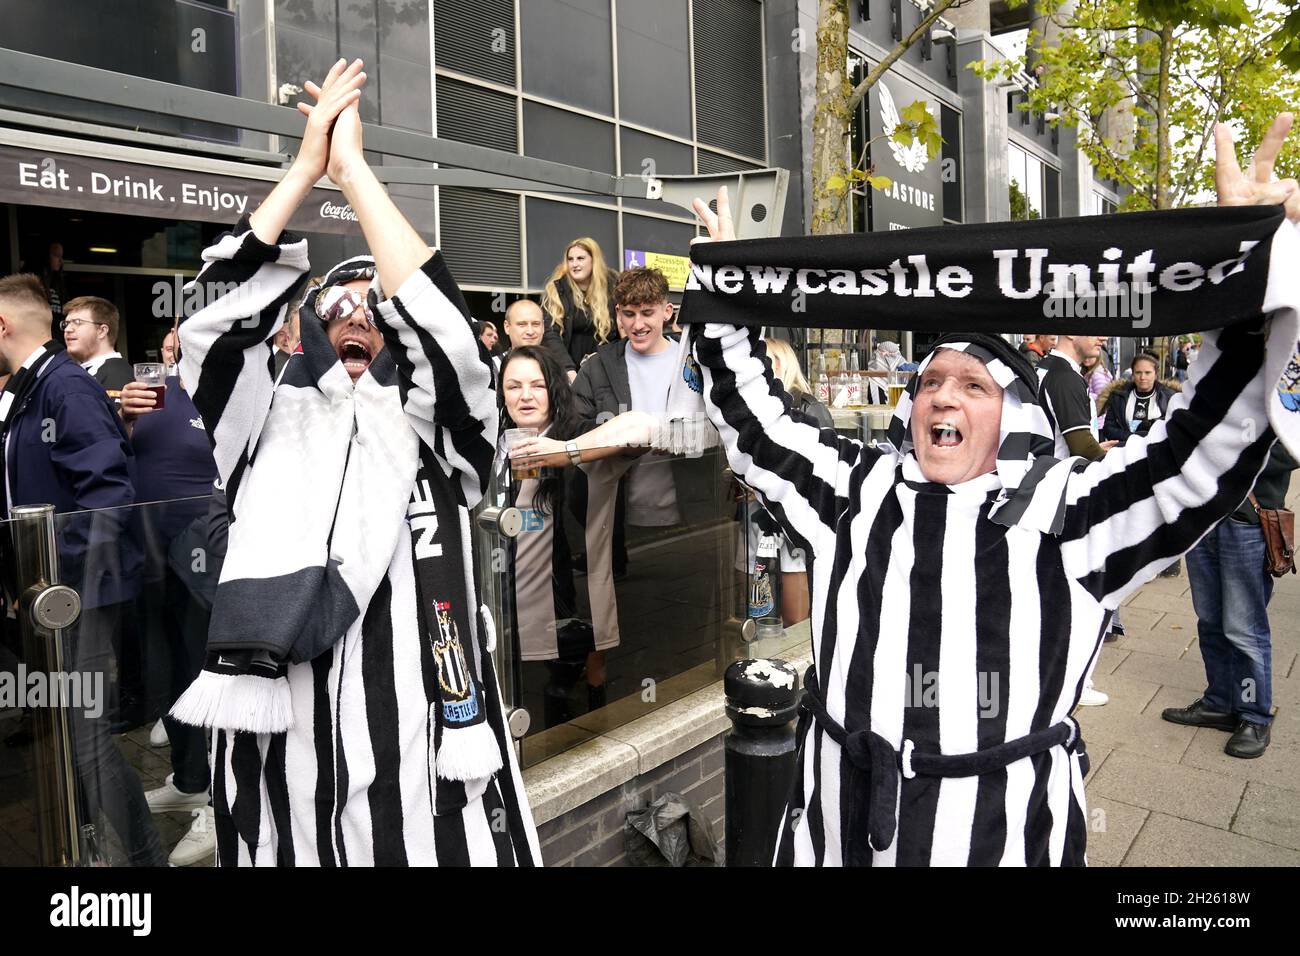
(552, 225)
(1034, 186)
(567, 52)
(654, 83)
(570, 138)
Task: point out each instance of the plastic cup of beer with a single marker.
(154, 375)
(513, 437)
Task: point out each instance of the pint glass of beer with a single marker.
(897, 384)
(512, 437)
(153, 374)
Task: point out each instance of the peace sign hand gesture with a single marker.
(719, 224)
(1253, 187)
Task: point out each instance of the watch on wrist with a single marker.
(571, 446)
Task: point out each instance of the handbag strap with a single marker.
(1254, 502)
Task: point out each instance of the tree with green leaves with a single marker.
(1144, 81)
(836, 174)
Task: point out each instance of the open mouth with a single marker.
(945, 435)
(355, 355)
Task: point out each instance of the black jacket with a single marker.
(578, 338)
(602, 391)
(1115, 426)
(87, 471)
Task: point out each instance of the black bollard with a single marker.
(762, 702)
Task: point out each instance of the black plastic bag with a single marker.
(672, 831)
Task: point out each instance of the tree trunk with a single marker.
(1163, 150)
(830, 153)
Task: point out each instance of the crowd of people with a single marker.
(274, 550)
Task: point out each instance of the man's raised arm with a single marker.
(446, 375)
(247, 282)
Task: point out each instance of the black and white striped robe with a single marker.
(912, 580)
(352, 782)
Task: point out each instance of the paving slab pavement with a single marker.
(1160, 794)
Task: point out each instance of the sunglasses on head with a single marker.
(338, 301)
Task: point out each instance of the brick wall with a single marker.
(592, 834)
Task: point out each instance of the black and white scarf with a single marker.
(342, 461)
(1154, 273)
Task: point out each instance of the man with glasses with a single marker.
(90, 334)
(349, 677)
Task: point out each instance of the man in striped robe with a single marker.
(930, 573)
(349, 682)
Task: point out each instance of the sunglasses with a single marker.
(337, 301)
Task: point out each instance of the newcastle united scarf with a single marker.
(1150, 273)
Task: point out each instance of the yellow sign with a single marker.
(674, 268)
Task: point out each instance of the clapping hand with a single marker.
(1254, 187)
(340, 90)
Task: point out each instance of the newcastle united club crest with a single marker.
(460, 705)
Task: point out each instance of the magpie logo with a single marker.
(913, 158)
(123, 910)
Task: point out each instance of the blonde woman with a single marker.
(579, 305)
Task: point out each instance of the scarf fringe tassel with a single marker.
(468, 753)
(244, 702)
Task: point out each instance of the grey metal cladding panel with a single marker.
(473, 114)
(654, 84)
(476, 37)
(567, 53)
(480, 236)
(404, 30)
(717, 163)
(315, 16)
(729, 75)
(404, 95)
(646, 155)
(553, 224)
(656, 235)
(565, 137)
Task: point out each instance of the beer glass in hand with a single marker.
(153, 375)
(512, 437)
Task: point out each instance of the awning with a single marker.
(38, 169)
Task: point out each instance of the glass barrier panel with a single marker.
(624, 589)
(145, 576)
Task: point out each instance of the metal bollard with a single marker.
(762, 701)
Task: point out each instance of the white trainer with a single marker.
(199, 845)
(1091, 697)
(158, 735)
(167, 798)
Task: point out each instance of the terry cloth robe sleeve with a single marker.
(245, 287)
(445, 374)
(799, 471)
(1150, 500)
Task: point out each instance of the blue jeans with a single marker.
(1230, 591)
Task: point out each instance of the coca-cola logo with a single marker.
(330, 211)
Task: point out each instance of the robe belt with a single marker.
(873, 791)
